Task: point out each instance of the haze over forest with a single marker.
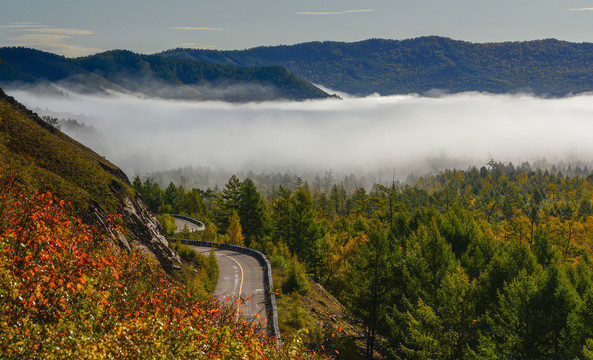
(374, 135)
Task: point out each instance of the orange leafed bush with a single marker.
(67, 292)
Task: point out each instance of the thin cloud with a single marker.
(334, 12)
(48, 38)
(39, 39)
(196, 28)
(44, 29)
(197, 46)
(580, 9)
(358, 11)
(53, 43)
(21, 26)
(320, 12)
(59, 31)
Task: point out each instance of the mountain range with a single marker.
(542, 67)
(153, 76)
(425, 65)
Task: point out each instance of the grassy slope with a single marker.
(326, 324)
(42, 158)
(45, 159)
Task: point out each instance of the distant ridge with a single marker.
(153, 75)
(542, 67)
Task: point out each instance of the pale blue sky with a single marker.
(82, 27)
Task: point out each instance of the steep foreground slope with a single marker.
(42, 158)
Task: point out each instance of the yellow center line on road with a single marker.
(241, 285)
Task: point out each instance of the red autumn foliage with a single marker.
(67, 292)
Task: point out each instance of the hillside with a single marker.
(78, 276)
(38, 156)
(544, 67)
(491, 263)
(153, 75)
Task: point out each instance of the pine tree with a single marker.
(152, 195)
(581, 327)
(282, 216)
(370, 281)
(304, 230)
(251, 211)
(137, 184)
(172, 198)
(227, 203)
(192, 204)
(429, 259)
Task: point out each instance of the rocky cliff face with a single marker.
(145, 230)
(141, 229)
(39, 156)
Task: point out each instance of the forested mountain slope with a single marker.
(489, 263)
(153, 75)
(544, 67)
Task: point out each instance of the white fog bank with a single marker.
(400, 134)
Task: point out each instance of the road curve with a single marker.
(182, 222)
(240, 278)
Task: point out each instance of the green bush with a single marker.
(168, 223)
(280, 256)
(296, 278)
(187, 253)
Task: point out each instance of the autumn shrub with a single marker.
(66, 292)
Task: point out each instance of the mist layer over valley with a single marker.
(373, 136)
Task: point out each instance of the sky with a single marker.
(82, 27)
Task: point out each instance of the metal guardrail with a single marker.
(198, 223)
(268, 282)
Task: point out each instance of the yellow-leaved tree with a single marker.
(234, 233)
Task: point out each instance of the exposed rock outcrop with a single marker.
(144, 229)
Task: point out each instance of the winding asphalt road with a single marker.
(240, 278)
(181, 223)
